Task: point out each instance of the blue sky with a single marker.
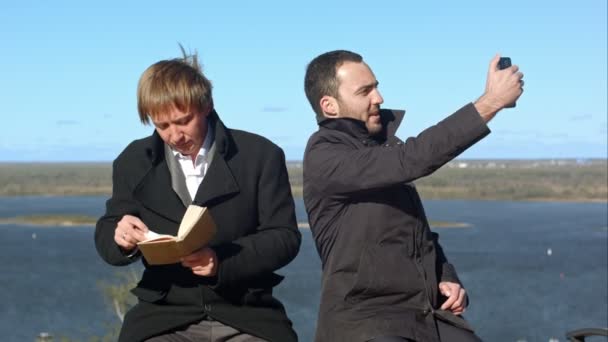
(69, 69)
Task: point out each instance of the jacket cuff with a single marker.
(448, 273)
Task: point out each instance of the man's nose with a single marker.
(377, 97)
(176, 134)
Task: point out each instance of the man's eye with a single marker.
(367, 90)
(184, 120)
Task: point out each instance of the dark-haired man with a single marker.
(385, 276)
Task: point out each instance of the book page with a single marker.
(191, 217)
(199, 231)
(154, 236)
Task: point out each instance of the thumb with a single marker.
(494, 63)
(445, 290)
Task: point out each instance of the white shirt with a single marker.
(195, 172)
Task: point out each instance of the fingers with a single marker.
(129, 231)
(134, 222)
(458, 306)
(449, 290)
(201, 256)
(447, 305)
(456, 297)
(456, 302)
(205, 271)
(202, 262)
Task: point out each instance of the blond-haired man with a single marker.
(222, 292)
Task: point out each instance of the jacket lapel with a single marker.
(178, 179)
(219, 180)
(155, 190)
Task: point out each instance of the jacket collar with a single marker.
(391, 119)
(155, 189)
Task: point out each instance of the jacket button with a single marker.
(426, 311)
(207, 307)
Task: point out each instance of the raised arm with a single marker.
(338, 168)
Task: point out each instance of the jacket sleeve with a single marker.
(277, 239)
(121, 203)
(447, 270)
(341, 169)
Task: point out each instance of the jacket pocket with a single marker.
(385, 270)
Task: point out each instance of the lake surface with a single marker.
(533, 271)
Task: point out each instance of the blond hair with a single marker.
(173, 84)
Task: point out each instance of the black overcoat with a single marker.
(247, 191)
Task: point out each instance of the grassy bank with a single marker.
(51, 220)
(81, 220)
(568, 180)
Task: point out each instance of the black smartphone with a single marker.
(503, 63)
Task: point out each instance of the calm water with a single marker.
(519, 290)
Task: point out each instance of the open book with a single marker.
(195, 231)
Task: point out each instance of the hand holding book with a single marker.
(202, 262)
(195, 231)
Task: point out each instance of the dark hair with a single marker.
(176, 83)
(321, 80)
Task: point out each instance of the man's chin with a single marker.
(374, 129)
(186, 151)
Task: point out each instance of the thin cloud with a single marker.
(274, 109)
(581, 117)
(556, 135)
(66, 122)
(528, 134)
(522, 133)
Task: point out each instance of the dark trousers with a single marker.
(447, 333)
(206, 330)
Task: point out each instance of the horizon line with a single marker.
(300, 160)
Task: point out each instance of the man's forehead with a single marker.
(353, 74)
(172, 114)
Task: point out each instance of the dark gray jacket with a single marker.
(381, 262)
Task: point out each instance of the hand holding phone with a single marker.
(503, 63)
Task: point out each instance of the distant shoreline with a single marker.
(88, 221)
(543, 199)
(50, 220)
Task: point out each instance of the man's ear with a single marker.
(329, 106)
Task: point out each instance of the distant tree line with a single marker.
(515, 181)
